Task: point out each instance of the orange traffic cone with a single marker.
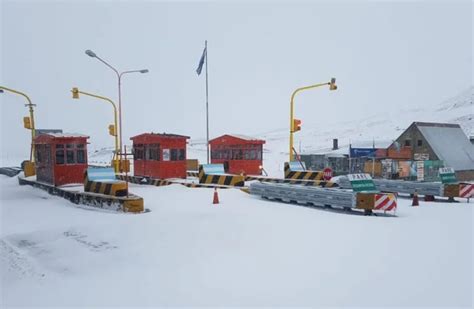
(216, 197)
(415, 199)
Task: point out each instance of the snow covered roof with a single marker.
(244, 137)
(67, 135)
(344, 149)
(166, 135)
(450, 145)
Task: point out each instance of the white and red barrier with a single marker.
(466, 190)
(385, 201)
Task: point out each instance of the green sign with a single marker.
(361, 182)
(447, 175)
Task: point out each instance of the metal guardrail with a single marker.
(401, 186)
(319, 183)
(10, 171)
(316, 196)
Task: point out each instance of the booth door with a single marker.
(44, 164)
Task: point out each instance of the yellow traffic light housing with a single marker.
(332, 84)
(27, 123)
(296, 125)
(75, 93)
(112, 130)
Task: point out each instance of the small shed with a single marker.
(61, 158)
(238, 153)
(159, 156)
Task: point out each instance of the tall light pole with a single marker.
(91, 54)
(31, 124)
(75, 95)
(332, 86)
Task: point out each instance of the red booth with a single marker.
(61, 158)
(238, 153)
(159, 156)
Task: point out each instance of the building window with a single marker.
(81, 156)
(419, 143)
(59, 154)
(407, 143)
(174, 155)
(177, 154)
(70, 156)
(138, 152)
(152, 152)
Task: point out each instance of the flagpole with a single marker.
(207, 111)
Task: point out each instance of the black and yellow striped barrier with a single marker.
(302, 173)
(220, 178)
(160, 182)
(166, 182)
(145, 181)
(318, 183)
(131, 203)
(132, 179)
(102, 181)
(192, 174)
(203, 185)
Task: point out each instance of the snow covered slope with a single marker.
(379, 127)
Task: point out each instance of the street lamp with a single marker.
(91, 54)
(112, 128)
(29, 123)
(294, 127)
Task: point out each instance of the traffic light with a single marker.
(75, 93)
(296, 125)
(332, 84)
(27, 122)
(112, 130)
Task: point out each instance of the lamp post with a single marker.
(30, 122)
(91, 54)
(332, 86)
(75, 95)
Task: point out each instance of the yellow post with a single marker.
(75, 95)
(32, 120)
(332, 86)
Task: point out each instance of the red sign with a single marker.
(327, 173)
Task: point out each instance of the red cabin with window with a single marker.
(239, 153)
(61, 158)
(159, 156)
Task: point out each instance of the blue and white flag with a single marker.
(201, 62)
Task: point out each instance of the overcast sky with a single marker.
(385, 56)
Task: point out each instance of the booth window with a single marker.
(59, 154)
(152, 152)
(177, 154)
(181, 155)
(70, 154)
(174, 154)
(138, 152)
(80, 154)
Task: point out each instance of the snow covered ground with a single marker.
(243, 252)
(246, 251)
